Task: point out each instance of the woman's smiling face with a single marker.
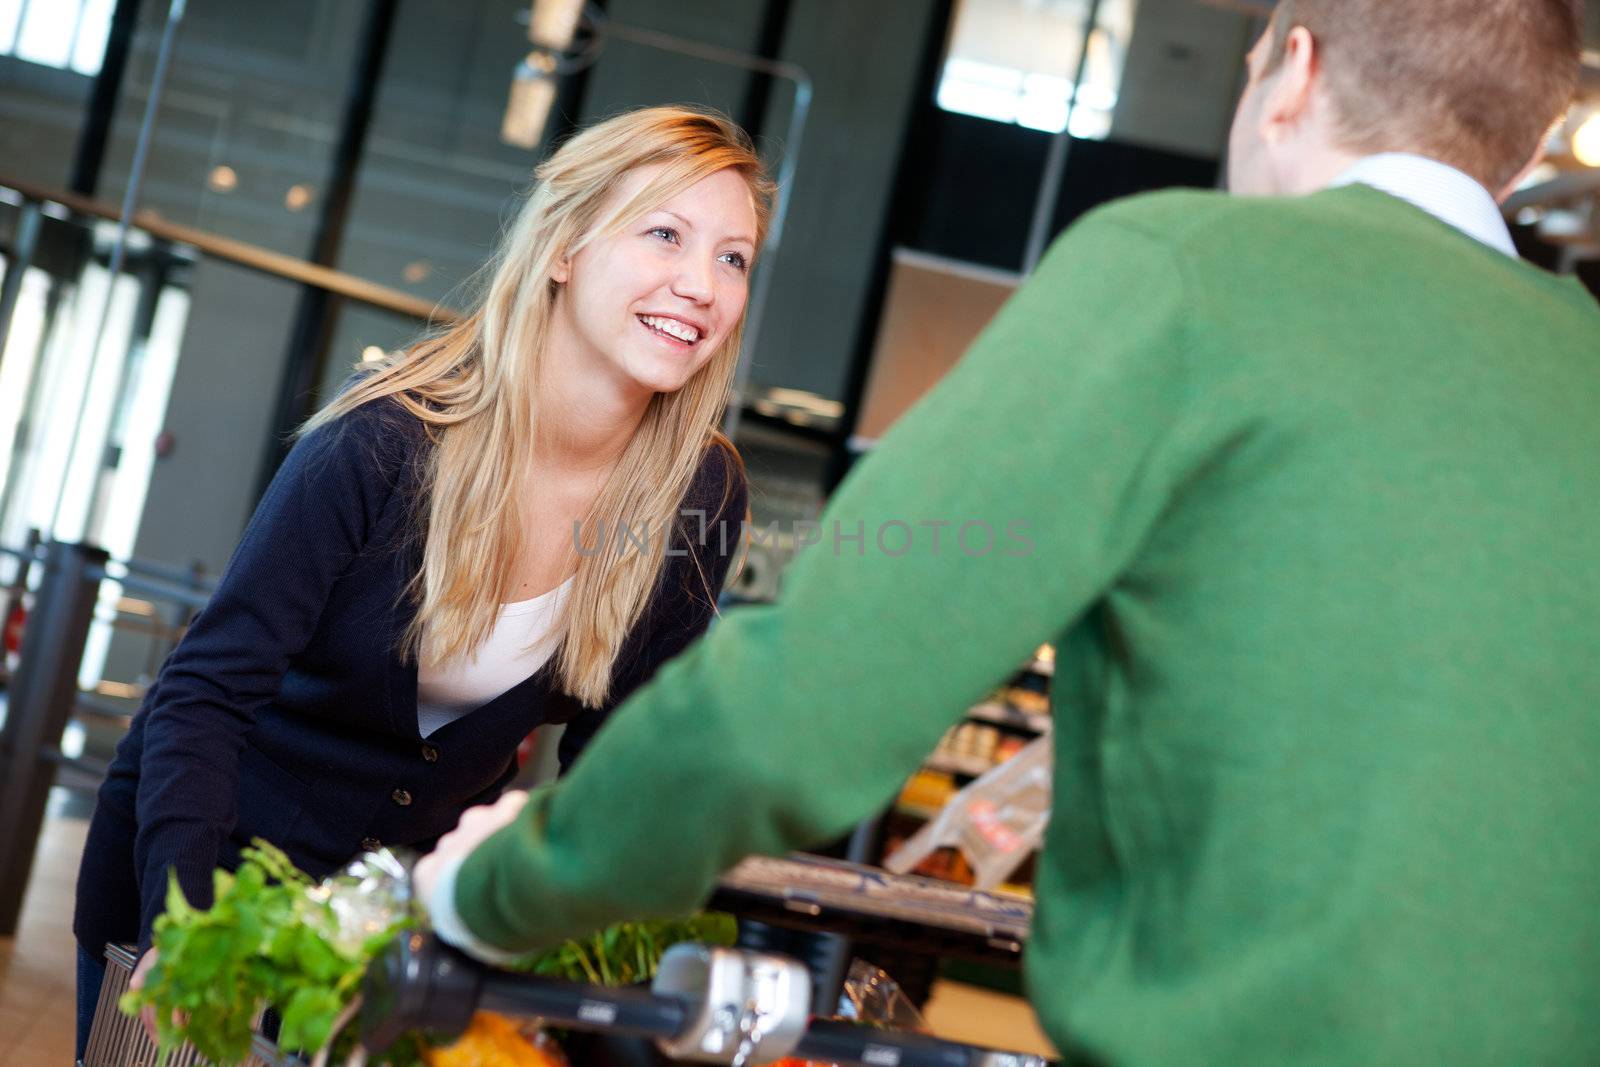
(651, 304)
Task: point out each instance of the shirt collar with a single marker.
(1444, 192)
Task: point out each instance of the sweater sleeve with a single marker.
(988, 520)
(709, 538)
(314, 518)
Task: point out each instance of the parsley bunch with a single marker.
(267, 940)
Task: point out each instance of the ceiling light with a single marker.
(297, 197)
(372, 354)
(533, 91)
(417, 272)
(554, 23)
(223, 180)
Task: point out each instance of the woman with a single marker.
(437, 568)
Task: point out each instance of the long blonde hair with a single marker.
(473, 388)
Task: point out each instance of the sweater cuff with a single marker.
(451, 928)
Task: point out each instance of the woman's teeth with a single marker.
(681, 331)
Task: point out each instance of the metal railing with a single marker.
(43, 695)
(240, 253)
(12, 597)
(776, 406)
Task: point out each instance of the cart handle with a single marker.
(420, 983)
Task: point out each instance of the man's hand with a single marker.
(476, 824)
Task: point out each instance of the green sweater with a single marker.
(1308, 494)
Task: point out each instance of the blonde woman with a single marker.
(510, 524)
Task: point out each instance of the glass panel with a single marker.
(16, 371)
(53, 473)
(93, 30)
(47, 30)
(9, 12)
(1013, 61)
(245, 133)
(435, 181)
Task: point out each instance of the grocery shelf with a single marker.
(1006, 715)
(967, 766)
(871, 905)
(916, 811)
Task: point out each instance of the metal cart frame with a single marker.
(421, 983)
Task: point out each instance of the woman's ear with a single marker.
(562, 271)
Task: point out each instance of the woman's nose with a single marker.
(693, 280)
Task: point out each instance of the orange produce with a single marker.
(494, 1041)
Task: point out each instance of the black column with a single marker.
(101, 109)
(769, 45)
(318, 310)
(41, 700)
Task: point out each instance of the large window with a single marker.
(65, 34)
(1014, 61)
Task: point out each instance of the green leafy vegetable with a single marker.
(267, 940)
(271, 939)
(628, 952)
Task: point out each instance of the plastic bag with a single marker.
(870, 996)
(371, 896)
(995, 823)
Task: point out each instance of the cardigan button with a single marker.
(401, 797)
(370, 844)
(430, 753)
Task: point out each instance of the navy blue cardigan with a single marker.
(288, 713)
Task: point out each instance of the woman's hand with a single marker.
(147, 1014)
(475, 826)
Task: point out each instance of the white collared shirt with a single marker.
(1441, 190)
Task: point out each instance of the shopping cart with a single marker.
(118, 1040)
(707, 1005)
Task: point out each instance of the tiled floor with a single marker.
(38, 1005)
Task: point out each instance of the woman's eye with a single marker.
(666, 233)
(735, 260)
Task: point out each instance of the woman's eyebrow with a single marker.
(689, 225)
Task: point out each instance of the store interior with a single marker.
(212, 212)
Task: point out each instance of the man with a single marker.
(1307, 490)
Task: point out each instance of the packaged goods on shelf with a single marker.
(927, 791)
(996, 732)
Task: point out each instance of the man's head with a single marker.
(1476, 84)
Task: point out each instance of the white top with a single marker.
(521, 643)
(1449, 195)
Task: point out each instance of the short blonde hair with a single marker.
(1477, 84)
